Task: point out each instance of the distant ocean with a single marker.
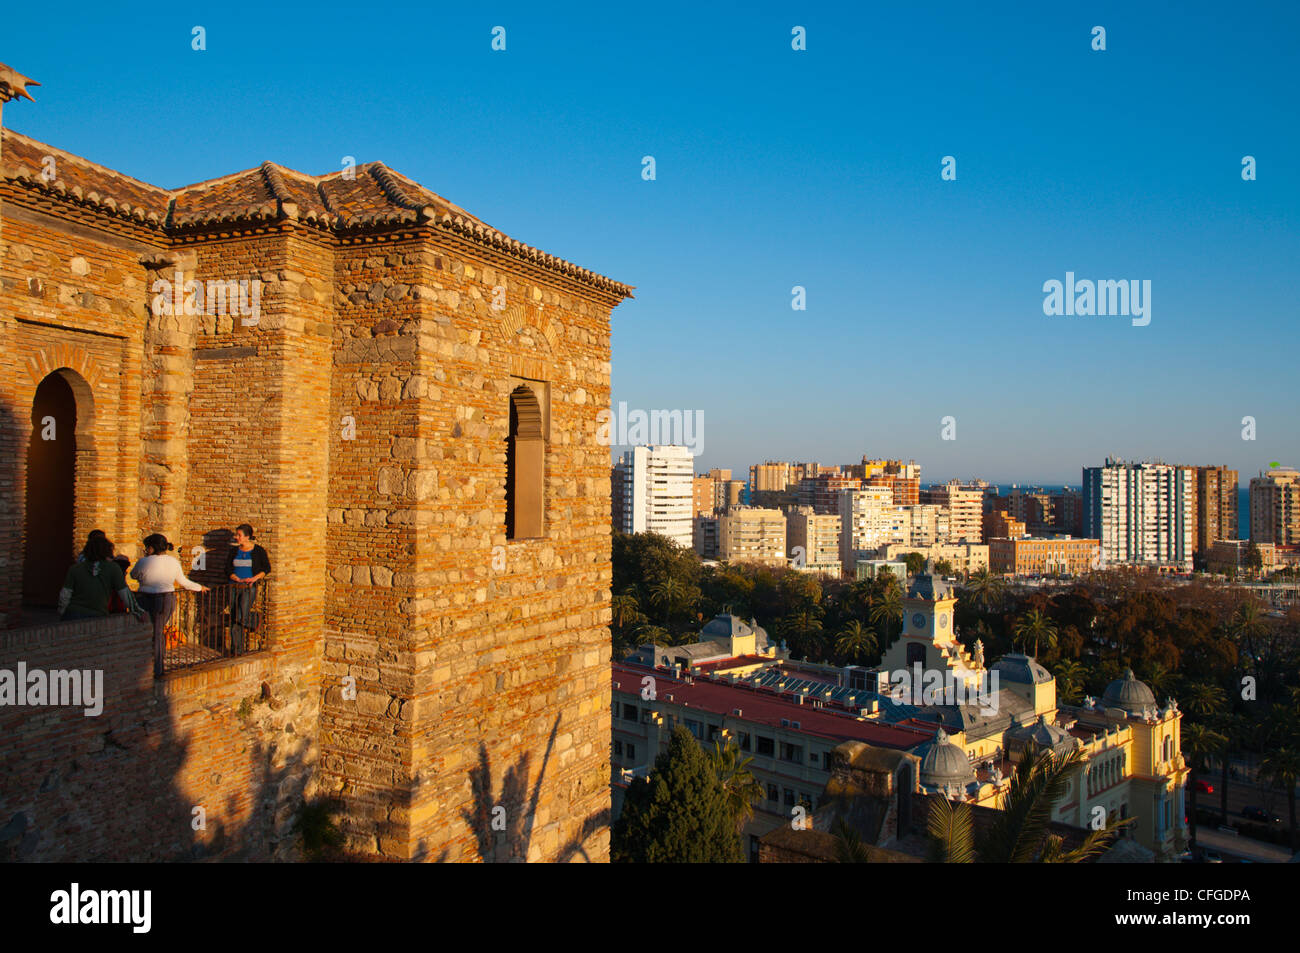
(1243, 502)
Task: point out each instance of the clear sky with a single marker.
(776, 168)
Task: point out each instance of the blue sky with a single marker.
(778, 168)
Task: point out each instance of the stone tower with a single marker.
(404, 405)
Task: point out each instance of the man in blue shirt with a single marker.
(248, 565)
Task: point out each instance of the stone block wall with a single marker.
(125, 784)
(422, 671)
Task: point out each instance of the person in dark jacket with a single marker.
(247, 567)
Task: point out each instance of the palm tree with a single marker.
(1229, 727)
(624, 609)
(1203, 699)
(1069, 679)
(743, 790)
(654, 635)
(1159, 679)
(1281, 768)
(856, 641)
(1247, 624)
(1035, 627)
(666, 593)
(952, 840)
(1019, 833)
(1198, 742)
(849, 846)
(986, 589)
(805, 626)
(888, 608)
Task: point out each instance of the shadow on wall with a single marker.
(509, 842)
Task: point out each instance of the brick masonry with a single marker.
(360, 425)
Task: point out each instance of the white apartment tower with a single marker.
(657, 491)
(868, 519)
(1143, 513)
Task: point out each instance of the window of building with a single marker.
(695, 728)
(618, 747)
(773, 793)
(525, 466)
(631, 752)
(766, 746)
(793, 753)
(789, 797)
(630, 712)
(713, 732)
(742, 739)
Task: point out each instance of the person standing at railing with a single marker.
(248, 565)
(159, 573)
(91, 583)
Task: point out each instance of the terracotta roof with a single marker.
(369, 195)
(765, 708)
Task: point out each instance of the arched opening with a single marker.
(525, 466)
(915, 654)
(49, 522)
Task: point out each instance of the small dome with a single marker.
(1044, 735)
(1128, 694)
(943, 764)
(1021, 669)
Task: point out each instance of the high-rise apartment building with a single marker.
(1216, 507)
(747, 534)
(822, 492)
(999, 524)
(1031, 506)
(1275, 507)
(702, 495)
(1067, 511)
(727, 493)
(818, 535)
(1141, 512)
(657, 492)
(705, 536)
(769, 476)
(921, 525)
(965, 505)
(867, 520)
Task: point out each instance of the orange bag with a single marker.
(173, 634)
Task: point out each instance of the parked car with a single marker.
(1202, 787)
(1261, 815)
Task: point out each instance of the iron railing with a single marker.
(225, 622)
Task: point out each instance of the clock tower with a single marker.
(927, 637)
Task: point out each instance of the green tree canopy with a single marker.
(681, 813)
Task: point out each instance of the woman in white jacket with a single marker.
(159, 573)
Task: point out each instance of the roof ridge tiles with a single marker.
(275, 182)
(391, 187)
(123, 196)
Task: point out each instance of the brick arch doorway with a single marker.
(57, 453)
